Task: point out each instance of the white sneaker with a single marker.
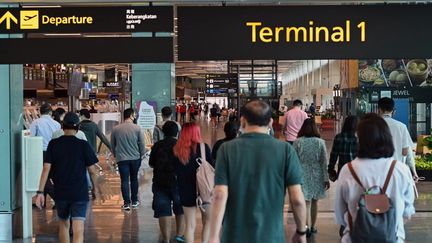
(135, 205)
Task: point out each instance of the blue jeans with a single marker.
(129, 169)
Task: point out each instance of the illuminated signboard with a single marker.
(86, 19)
(221, 83)
(304, 32)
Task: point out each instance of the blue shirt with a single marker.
(44, 127)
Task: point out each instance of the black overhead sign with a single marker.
(86, 50)
(111, 84)
(86, 19)
(304, 32)
(221, 83)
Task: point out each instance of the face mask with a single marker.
(134, 120)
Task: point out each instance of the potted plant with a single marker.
(424, 166)
(424, 162)
(276, 118)
(328, 121)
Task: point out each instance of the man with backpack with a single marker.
(253, 172)
(158, 133)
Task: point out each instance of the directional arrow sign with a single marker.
(8, 17)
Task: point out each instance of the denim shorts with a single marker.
(74, 210)
(164, 199)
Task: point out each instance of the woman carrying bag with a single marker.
(188, 154)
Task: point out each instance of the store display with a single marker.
(418, 70)
(395, 73)
(371, 75)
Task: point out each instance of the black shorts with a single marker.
(69, 209)
(166, 200)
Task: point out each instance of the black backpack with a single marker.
(376, 216)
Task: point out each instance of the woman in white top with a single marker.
(373, 161)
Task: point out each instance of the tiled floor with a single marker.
(107, 223)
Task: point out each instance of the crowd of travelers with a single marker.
(239, 185)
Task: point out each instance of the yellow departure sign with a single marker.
(8, 17)
(29, 19)
(86, 19)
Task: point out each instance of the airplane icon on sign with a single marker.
(27, 18)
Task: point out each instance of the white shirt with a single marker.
(373, 172)
(400, 135)
(44, 127)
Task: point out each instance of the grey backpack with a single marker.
(376, 216)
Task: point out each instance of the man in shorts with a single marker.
(165, 190)
(69, 158)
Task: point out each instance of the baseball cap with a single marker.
(71, 120)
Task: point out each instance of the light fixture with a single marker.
(63, 34)
(114, 36)
(41, 6)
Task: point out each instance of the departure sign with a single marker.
(86, 19)
(221, 83)
(391, 31)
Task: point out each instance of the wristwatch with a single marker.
(301, 232)
(39, 192)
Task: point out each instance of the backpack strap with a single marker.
(389, 174)
(357, 179)
(203, 153)
(354, 175)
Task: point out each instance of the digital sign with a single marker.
(221, 83)
(111, 85)
(391, 31)
(87, 50)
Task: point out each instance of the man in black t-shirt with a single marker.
(166, 196)
(68, 158)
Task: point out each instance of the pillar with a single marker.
(153, 81)
(11, 126)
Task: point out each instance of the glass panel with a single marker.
(421, 112)
(421, 128)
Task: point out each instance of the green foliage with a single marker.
(424, 163)
(428, 142)
(276, 114)
(328, 115)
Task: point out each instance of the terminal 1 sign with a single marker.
(304, 32)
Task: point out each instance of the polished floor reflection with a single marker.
(106, 222)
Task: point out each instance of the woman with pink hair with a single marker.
(187, 150)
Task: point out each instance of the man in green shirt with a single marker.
(252, 175)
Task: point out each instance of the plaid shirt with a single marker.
(344, 148)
